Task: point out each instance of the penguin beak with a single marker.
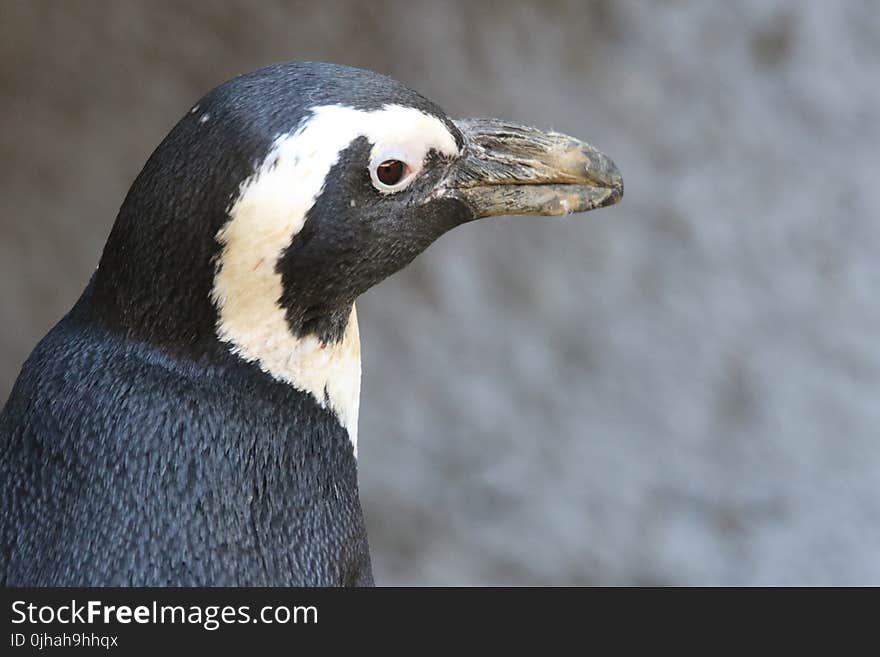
(514, 169)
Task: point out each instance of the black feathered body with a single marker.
(124, 465)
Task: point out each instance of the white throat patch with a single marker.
(269, 211)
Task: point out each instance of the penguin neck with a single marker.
(315, 350)
(316, 353)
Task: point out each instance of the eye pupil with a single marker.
(390, 172)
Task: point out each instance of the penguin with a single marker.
(192, 421)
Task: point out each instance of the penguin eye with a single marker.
(390, 175)
(390, 172)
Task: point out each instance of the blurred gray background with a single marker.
(683, 389)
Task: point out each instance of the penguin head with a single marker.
(285, 193)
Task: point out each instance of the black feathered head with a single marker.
(285, 193)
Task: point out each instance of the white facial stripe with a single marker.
(269, 211)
